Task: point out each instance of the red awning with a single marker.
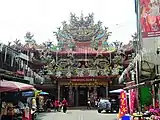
(11, 86)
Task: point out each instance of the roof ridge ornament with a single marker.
(81, 29)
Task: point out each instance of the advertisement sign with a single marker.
(150, 18)
(150, 28)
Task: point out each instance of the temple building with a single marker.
(84, 63)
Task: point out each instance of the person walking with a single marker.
(89, 104)
(64, 103)
(38, 103)
(56, 103)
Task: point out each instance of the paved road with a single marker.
(76, 115)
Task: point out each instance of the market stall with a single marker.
(18, 108)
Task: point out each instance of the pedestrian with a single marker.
(88, 104)
(60, 105)
(56, 103)
(64, 103)
(48, 104)
(38, 103)
(96, 103)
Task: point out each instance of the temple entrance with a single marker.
(64, 92)
(101, 92)
(82, 96)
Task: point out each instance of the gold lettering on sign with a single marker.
(85, 83)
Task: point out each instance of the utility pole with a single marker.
(138, 51)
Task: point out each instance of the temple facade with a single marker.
(85, 64)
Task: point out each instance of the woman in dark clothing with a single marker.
(48, 103)
(64, 103)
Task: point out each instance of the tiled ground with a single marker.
(76, 115)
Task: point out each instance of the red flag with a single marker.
(132, 100)
(123, 104)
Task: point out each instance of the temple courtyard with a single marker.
(76, 115)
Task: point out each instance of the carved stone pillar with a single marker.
(59, 90)
(77, 97)
(106, 91)
(89, 88)
(95, 92)
(70, 95)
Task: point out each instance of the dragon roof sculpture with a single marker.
(82, 29)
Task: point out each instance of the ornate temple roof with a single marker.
(82, 34)
(81, 29)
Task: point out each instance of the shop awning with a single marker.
(10, 86)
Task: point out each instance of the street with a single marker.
(76, 115)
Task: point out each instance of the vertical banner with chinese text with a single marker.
(132, 96)
(123, 104)
(132, 100)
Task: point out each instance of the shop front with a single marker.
(79, 92)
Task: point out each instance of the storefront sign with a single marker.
(88, 84)
(85, 83)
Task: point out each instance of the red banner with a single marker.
(132, 100)
(123, 104)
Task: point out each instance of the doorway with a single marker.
(83, 96)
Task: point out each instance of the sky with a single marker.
(42, 17)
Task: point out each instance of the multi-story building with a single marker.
(13, 63)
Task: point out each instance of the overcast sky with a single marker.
(41, 17)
